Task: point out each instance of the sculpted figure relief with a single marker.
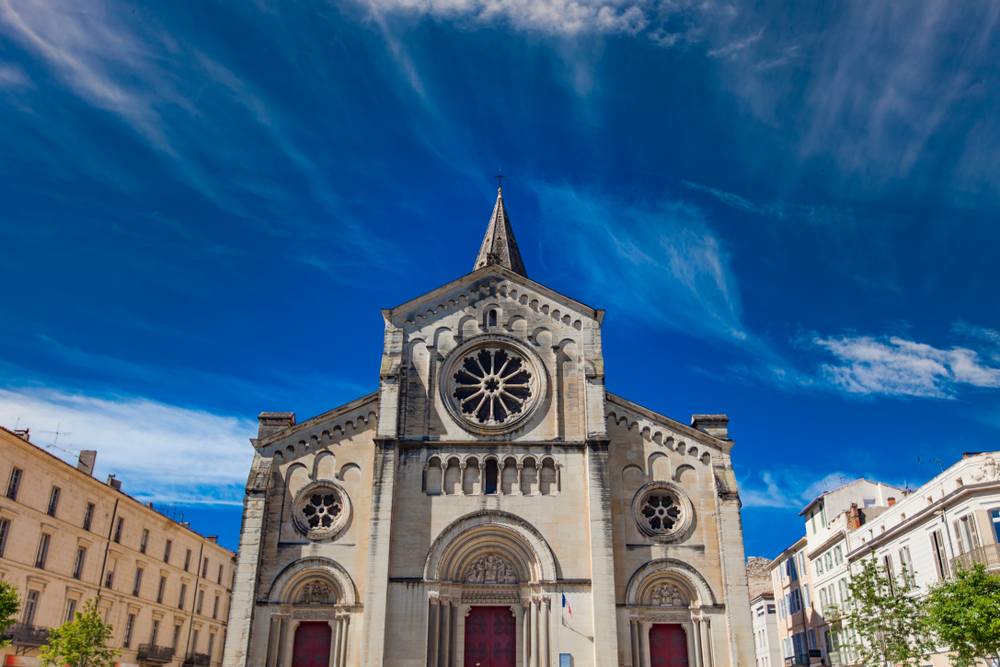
(667, 595)
(491, 570)
(988, 471)
(315, 592)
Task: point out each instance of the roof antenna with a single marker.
(499, 182)
(923, 480)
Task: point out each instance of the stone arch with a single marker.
(490, 531)
(325, 466)
(658, 466)
(680, 472)
(296, 477)
(290, 579)
(669, 570)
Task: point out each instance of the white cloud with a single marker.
(661, 262)
(788, 489)
(13, 76)
(893, 366)
(160, 452)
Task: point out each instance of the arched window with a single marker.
(492, 476)
(492, 320)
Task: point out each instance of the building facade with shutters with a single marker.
(66, 537)
(491, 503)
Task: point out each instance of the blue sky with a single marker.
(789, 211)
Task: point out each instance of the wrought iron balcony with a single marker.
(988, 555)
(154, 653)
(197, 660)
(21, 634)
(797, 659)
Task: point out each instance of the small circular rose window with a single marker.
(492, 383)
(321, 510)
(662, 511)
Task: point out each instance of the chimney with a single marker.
(854, 517)
(274, 422)
(892, 501)
(716, 426)
(214, 539)
(115, 484)
(86, 461)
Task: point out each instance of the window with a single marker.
(492, 477)
(220, 575)
(143, 541)
(81, 555)
(965, 528)
(790, 569)
(940, 555)
(869, 502)
(166, 551)
(14, 483)
(995, 518)
(187, 560)
(838, 555)
(194, 641)
(795, 601)
(805, 593)
(88, 516)
(30, 604)
(824, 601)
(770, 608)
(211, 645)
(492, 321)
(889, 573)
(155, 630)
(43, 551)
(204, 568)
(201, 599)
(159, 591)
(907, 563)
(180, 598)
(4, 534)
(70, 611)
(819, 565)
(215, 607)
(829, 561)
(177, 637)
(109, 579)
(812, 639)
(802, 562)
(129, 624)
(53, 501)
(118, 530)
(137, 584)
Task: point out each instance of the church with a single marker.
(491, 504)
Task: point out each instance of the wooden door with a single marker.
(312, 644)
(668, 645)
(490, 637)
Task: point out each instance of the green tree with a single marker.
(964, 613)
(82, 642)
(10, 605)
(887, 619)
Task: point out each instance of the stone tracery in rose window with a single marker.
(492, 385)
(661, 511)
(321, 510)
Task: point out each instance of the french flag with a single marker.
(566, 606)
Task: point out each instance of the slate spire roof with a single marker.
(499, 246)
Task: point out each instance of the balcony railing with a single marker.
(988, 555)
(197, 660)
(154, 653)
(22, 634)
(797, 659)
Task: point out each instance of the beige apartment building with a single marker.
(66, 537)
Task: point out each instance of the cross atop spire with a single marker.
(499, 246)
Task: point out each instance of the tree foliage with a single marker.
(886, 617)
(10, 605)
(964, 614)
(82, 642)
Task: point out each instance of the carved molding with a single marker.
(491, 595)
(987, 472)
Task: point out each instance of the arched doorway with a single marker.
(312, 644)
(490, 637)
(668, 645)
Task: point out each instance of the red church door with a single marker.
(312, 645)
(490, 637)
(668, 645)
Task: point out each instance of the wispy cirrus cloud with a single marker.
(160, 452)
(788, 488)
(661, 259)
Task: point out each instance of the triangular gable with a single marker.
(359, 411)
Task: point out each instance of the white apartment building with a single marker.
(952, 521)
(765, 631)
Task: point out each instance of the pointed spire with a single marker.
(499, 246)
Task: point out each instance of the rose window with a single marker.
(321, 510)
(492, 385)
(661, 512)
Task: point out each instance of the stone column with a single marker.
(634, 631)
(644, 644)
(602, 564)
(482, 477)
(345, 627)
(696, 640)
(526, 635)
(706, 642)
(461, 478)
(445, 643)
(520, 469)
(338, 637)
(272, 642)
(534, 633)
(372, 650)
(543, 633)
(444, 469)
(286, 651)
(334, 634)
(433, 631)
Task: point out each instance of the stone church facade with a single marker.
(491, 505)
